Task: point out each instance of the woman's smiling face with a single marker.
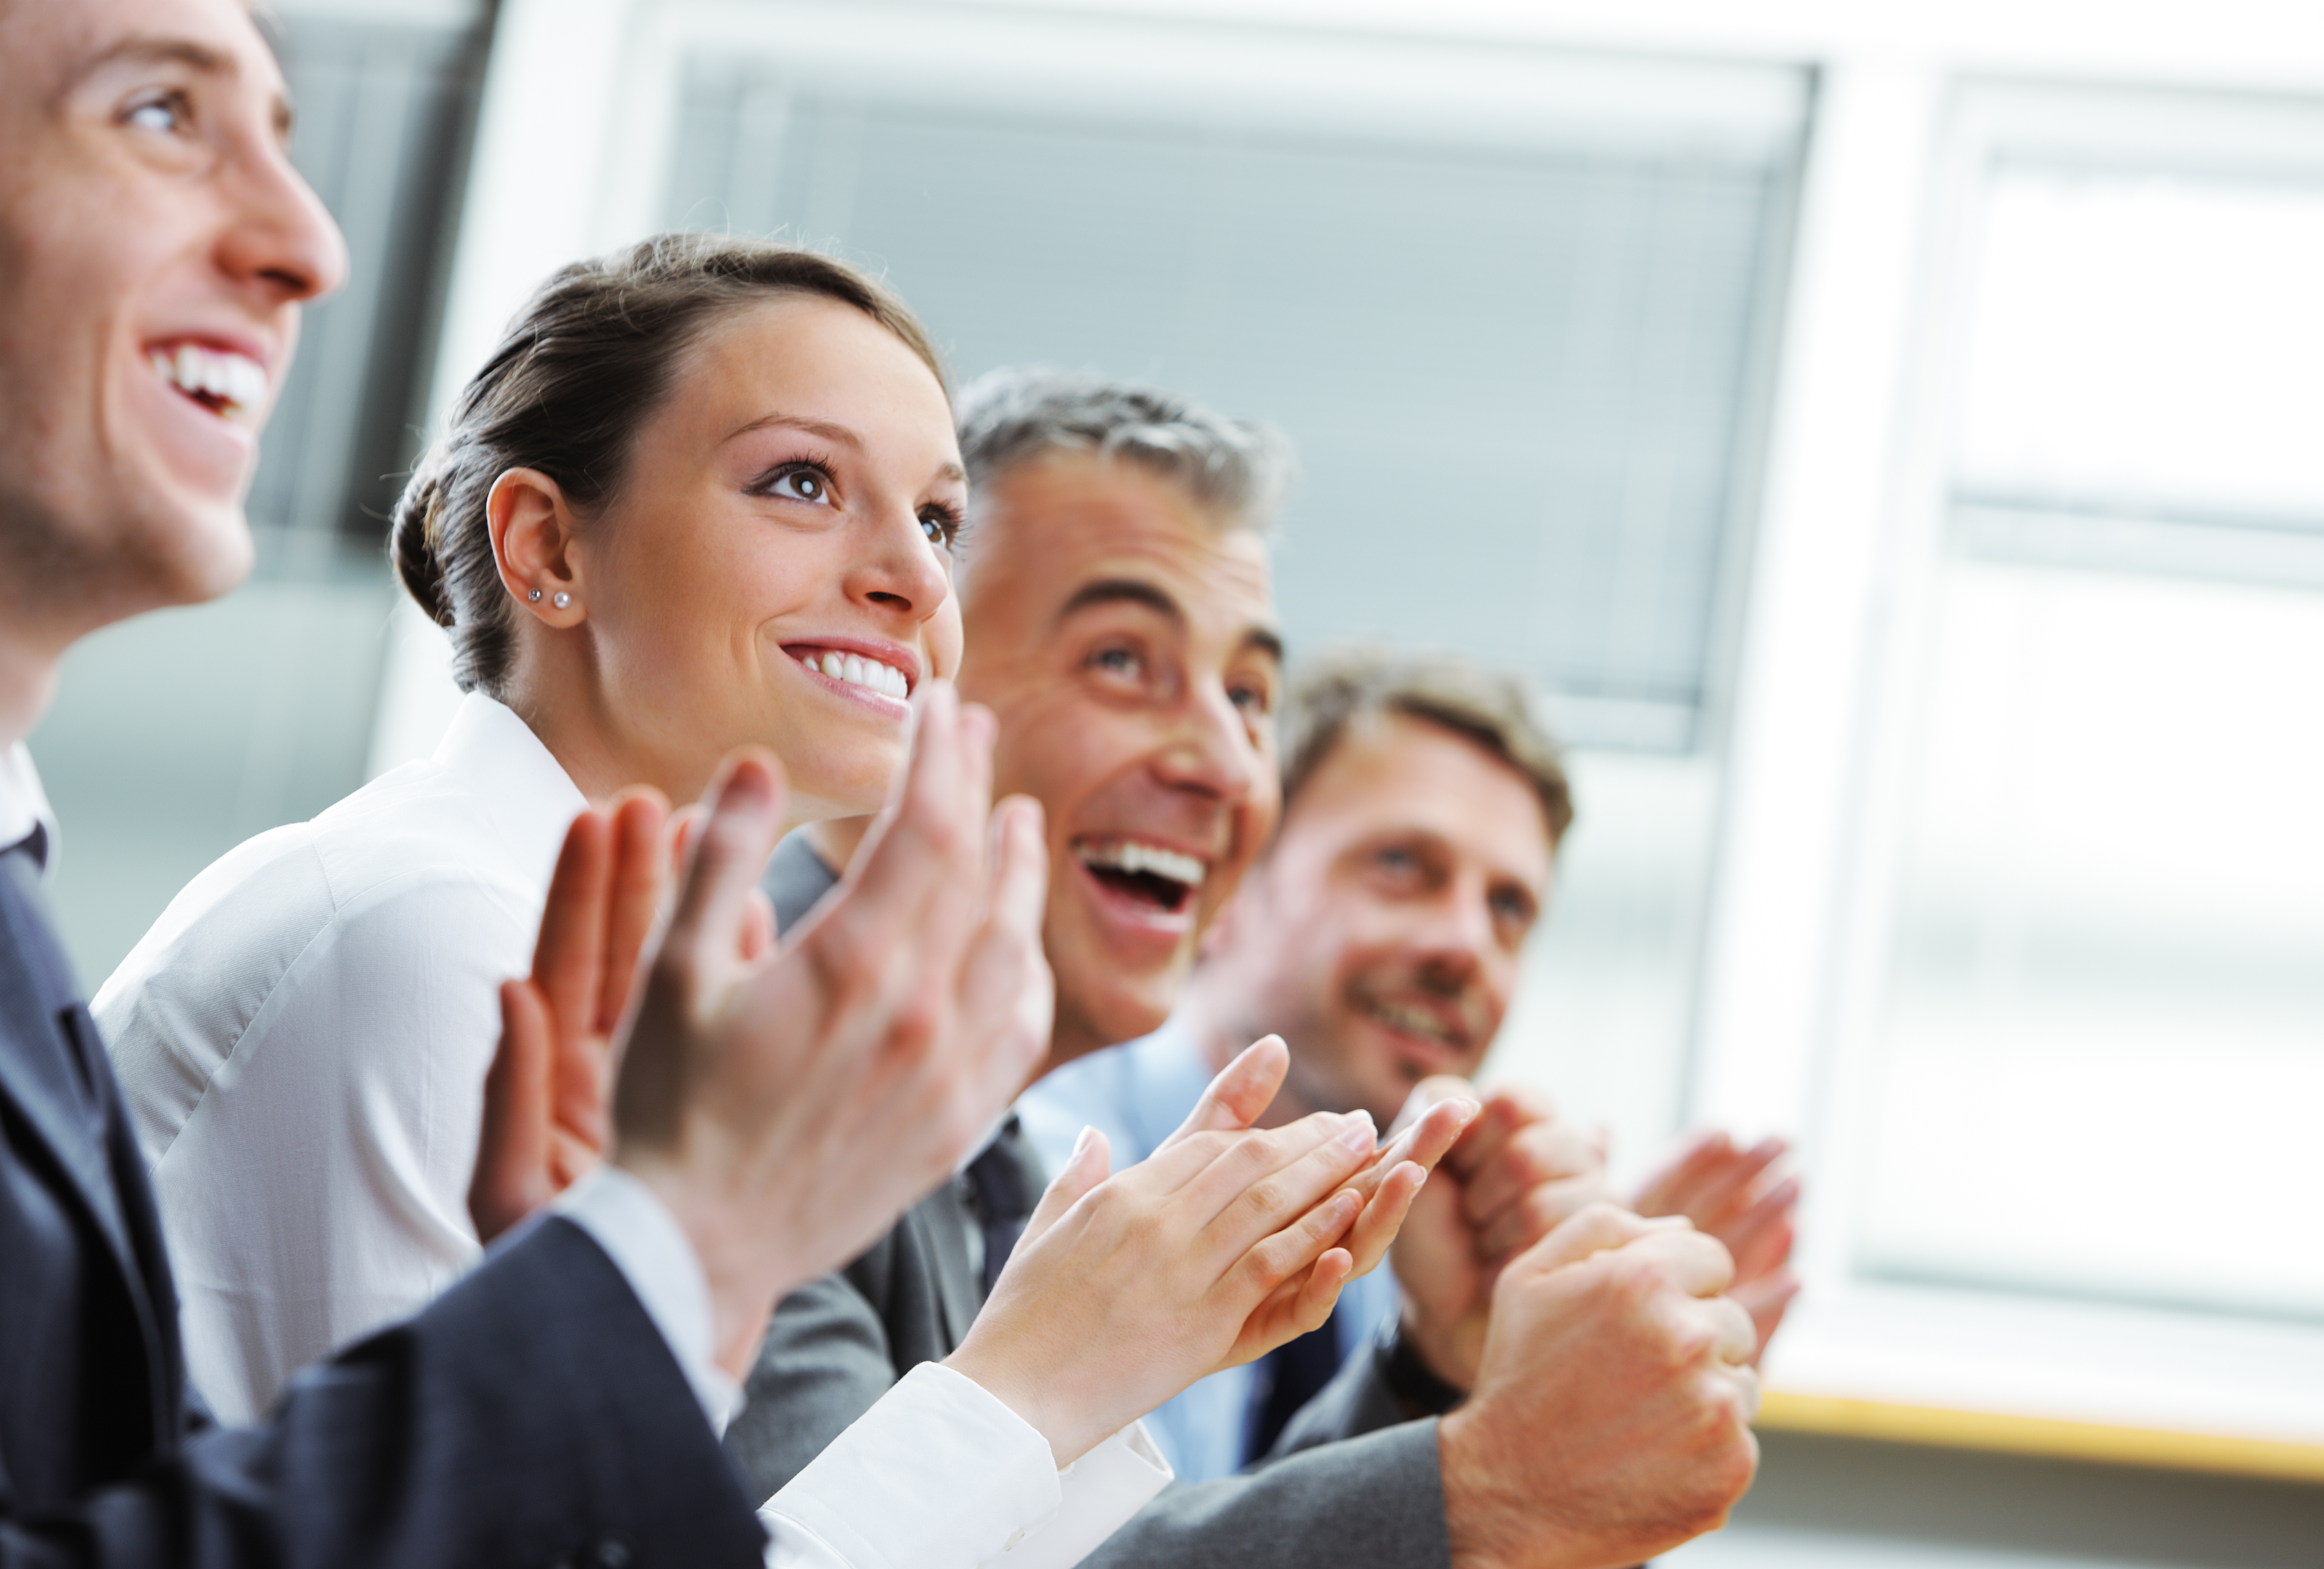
(775, 563)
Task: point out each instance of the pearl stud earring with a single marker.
(534, 596)
(561, 601)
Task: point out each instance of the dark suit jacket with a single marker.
(533, 1416)
(1351, 1481)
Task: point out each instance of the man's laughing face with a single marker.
(1124, 637)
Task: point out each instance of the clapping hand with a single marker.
(1519, 1171)
(548, 1115)
(1221, 1246)
(1731, 1193)
(785, 1107)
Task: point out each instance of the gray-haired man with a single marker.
(1118, 609)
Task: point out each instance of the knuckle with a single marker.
(1632, 1282)
(1252, 1153)
(1212, 1144)
(916, 1024)
(1264, 1198)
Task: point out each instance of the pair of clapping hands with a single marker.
(786, 1103)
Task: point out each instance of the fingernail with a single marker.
(1082, 1145)
(1360, 1133)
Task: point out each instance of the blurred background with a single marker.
(1891, 435)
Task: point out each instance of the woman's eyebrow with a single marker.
(822, 428)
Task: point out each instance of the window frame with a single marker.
(1938, 1363)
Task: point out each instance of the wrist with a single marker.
(1448, 1354)
(1484, 1526)
(1070, 1433)
(1417, 1385)
(740, 1273)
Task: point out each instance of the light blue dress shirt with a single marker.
(1136, 1094)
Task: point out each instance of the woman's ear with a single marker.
(532, 545)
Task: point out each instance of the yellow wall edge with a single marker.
(1782, 1410)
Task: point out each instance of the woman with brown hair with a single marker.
(704, 494)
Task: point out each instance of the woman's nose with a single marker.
(906, 574)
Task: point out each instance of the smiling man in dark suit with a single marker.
(557, 1406)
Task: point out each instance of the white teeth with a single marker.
(235, 381)
(1411, 1021)
(857, 671)
(1130, 856)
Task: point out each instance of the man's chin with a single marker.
(1120, 1009)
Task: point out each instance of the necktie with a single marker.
(1000, 1192)
(1290, 1376)
(22, 862)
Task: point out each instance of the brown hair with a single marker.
(1494, 709)
(583, 366)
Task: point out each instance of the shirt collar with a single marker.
(24, 811)
(527, 792)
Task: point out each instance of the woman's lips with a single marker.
(854, 669)
(881, 699)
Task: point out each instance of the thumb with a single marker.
(1430, 1092)
(1090, 1164)
(1598, 1229)
(1243, 1089)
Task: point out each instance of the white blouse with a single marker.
(302, 1039)
(303, 1036)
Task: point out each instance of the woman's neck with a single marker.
(571, 718)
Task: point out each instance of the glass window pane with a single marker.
(1527, 370)
(2157, 342)
(2103, 1045)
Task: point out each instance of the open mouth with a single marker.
(230, 385)
(1163, 879)
(855, 670)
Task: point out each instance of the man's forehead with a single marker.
(216, 37)
(1065, 527)
(1399, 772)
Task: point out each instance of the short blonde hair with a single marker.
(1495, 710)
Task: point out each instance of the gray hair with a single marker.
(1236, 468)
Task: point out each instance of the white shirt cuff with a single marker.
(622, 1216)
(940, 1473)
(1102, 1490)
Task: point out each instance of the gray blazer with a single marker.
(1350, 1482)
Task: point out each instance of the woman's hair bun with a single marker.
(411, 540)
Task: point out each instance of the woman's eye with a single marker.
(1253, 701)
(800, 482)
(1115, 661)
(940, 526)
